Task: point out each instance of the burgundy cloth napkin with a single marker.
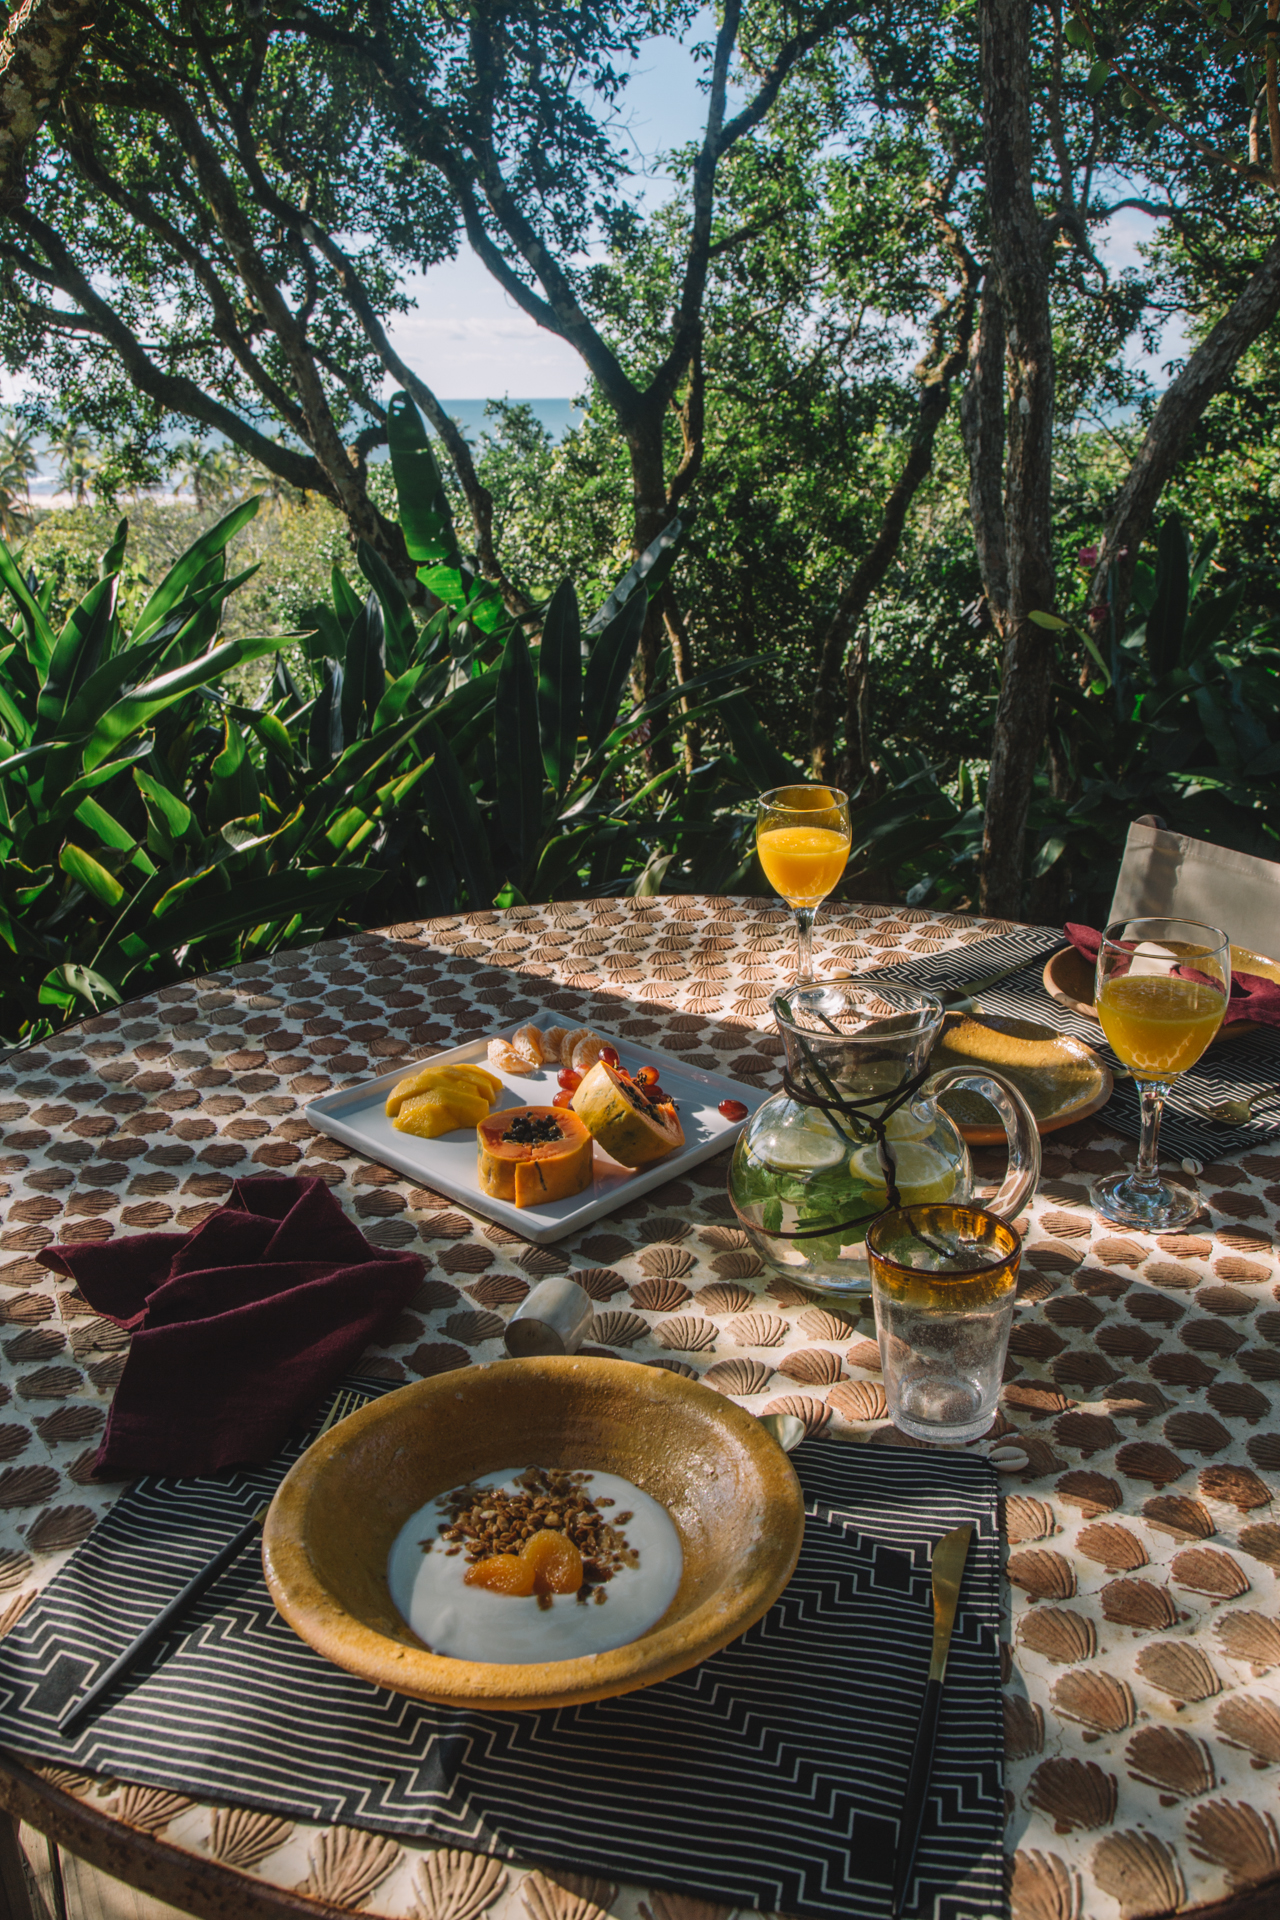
(239, 1328)
(1252, 997)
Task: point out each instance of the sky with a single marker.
(469, 341)
(466, 337)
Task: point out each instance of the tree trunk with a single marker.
(38, 54)
(982, 429)
(1181, 406)
(871, 570)
(1020, 265)
(854, 766)
(649, 517)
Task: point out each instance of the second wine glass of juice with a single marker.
(803, 838)
(1162, 989)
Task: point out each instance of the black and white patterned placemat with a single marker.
(1230, 1070)
(771, 1776)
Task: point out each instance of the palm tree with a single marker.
(207, 470)
(76, 464)
(17, 465)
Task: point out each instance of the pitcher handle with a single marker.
(1020, 1131)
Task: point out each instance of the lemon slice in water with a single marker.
(922, 1173)
(905, 1123)
(799, 1146)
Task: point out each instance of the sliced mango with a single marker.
(461, 1074)
(440, 1110)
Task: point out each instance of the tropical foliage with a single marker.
(156, 825)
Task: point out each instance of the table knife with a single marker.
(949, 1556)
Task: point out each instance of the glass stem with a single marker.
(1152, 1097)
(804, 946)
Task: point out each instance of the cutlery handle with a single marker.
(206, 1576)
(917, 1791)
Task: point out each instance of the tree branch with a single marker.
(1179, 409)
(174, 392)
(38, 54)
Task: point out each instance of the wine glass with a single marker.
(803, 839)
(1162, 989)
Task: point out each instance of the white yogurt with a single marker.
(474, 1623)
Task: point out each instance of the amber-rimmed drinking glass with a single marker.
(943, 1280)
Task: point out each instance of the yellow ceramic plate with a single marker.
(729, 1488)
(1059, 1077)
(1068, 979)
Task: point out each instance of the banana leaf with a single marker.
(560, 685)
(185, 573)
(517, 749)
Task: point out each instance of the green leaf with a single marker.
(185, 572)
(390, 709)
(453, 805)
(764, 765)
(139, 706)
(509, 895)
(364, 671)
(63, 985)
(93, 877)
(112, 834)
(272, 732)
(324, 735)
(1050, 853)
(649, 571)
(608, 667)
(516, 749)
(113, 559)
(1050, 622)
(1167, 622)
(401, 634)
(1099, 74)
(346, 601)
(176, 815)
(233, 785)
(40, 635)
(425, 519)
(316, 892)
(560, 684)
(169, 820)
(79, 650)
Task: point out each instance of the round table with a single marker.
(1143, 1724)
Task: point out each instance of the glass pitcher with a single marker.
(857, 1129)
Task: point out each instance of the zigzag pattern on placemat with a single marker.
(1220, 1075)
(769, 1776)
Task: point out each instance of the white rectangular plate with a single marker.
(357, 1115)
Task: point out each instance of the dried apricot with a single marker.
(556, 1562)
(546, 1563)
(504, 1573)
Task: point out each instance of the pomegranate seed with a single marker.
(733, 1109)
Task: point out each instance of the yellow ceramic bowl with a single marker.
(729, 1488)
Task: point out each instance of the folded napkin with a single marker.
(239, 1328)
(1252, 996)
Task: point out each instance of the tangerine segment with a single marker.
(547, 1563)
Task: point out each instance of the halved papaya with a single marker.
(632, 1128)
(532, 1155)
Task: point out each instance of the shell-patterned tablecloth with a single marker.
(1143, 1714)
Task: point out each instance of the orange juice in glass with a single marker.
(803, 839)
(1162, 990)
